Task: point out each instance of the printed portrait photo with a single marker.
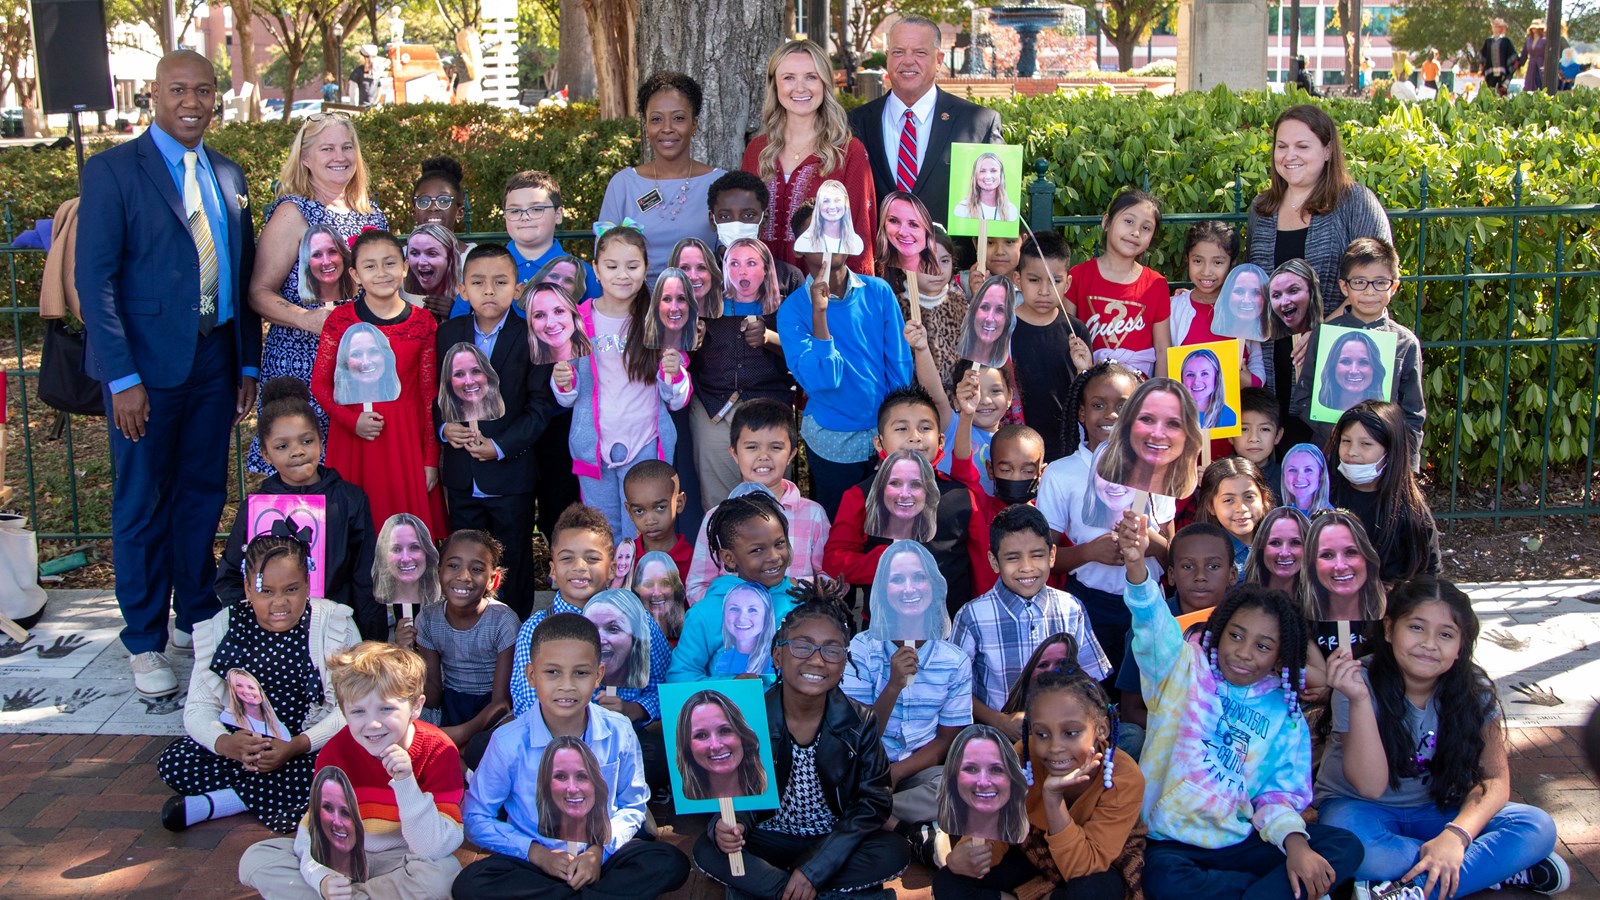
(985, 189)
(1155, 444)
(366, 370)
(469, 388)
(718, 745)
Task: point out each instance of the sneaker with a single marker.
(152, 675)
(182, 642)
(1547, 876)
(1388, 890)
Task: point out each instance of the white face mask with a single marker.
(728, 232)
(1361, 473)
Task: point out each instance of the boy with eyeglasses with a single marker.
(533, 210)
(1369, 277)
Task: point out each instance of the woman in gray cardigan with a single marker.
(1311, 210)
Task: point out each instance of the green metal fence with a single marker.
(1534, 271)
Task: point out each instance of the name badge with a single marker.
(649, 201)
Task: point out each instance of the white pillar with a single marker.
(499, 35)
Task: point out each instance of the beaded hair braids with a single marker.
(1294, 633)
(267, 547)
(1093, 697)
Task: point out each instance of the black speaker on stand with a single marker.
(69, 40)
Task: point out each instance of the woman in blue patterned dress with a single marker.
(323, 182)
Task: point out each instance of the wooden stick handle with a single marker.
(1344, 635)
(983, 246)
(574, 848)
(17, 632)
(913, 308)
(736, 858)
(913, 679)
(405, 611)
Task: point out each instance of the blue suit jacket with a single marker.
(138, 273)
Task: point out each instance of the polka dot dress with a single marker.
(281, 662)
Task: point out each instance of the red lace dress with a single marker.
(390, 468)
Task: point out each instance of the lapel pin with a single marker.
(944, 117)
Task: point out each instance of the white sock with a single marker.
(221, 804)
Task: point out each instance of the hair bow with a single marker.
(303, 534)
(351, 240)
(601, 228)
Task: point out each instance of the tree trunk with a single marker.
(574, 64)
(724, 44)
(330, 48)
(613, 36)
(244, 17)
(1125, 47)
(291, 64)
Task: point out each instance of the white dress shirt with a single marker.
(894, 117)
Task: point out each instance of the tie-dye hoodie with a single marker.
(1218, 760)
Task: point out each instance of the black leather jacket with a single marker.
(853, 771)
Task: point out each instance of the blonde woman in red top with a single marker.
(804, 141)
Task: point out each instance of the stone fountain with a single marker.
(1028, 18)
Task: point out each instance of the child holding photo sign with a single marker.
(508, 805)
(286, 430)
(380, 431)
(1385, 366)
(918, 684)
(830, 771)
(400, 838)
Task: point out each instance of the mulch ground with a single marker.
(79, 818)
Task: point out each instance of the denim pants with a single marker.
(1516, 838)
(1251, 869)
(605, 493)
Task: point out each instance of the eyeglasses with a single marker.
(804, 649)
(333, 114)
(1378, 284)
(440, 201)
(522, 213)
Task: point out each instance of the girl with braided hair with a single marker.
(1227, 754)
(829, 767)
(749, 536)
(1083, 831)
(283, 637)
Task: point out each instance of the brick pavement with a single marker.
(78, 818)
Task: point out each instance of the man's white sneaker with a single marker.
(152, 675)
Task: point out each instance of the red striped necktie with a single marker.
(905, 171)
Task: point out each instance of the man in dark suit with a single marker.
(914, 153)
(489, 474)
(165, 249)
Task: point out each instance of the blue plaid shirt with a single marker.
(940, 695)
(524, 699)
(1000, 630)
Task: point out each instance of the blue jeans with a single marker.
(1252, 869)
(605, 493)
(1516, 838)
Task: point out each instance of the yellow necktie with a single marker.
(200, 230)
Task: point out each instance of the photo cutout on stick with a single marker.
(249, 709)
(905, 235)
(991, 318)
(405, 564)
(748, 627)
(718, 745)
(303, 517)
(1352, 365)
(573, 799)
(659, 586)
(832, 230)
(697, 260)
(325, 267)
(671, 323)
(984, 792)
(985, 189)
(903, 502)
(1155, 445)
(624, 637)
(565, 272)
(1341, 574)
(1305, 479)
(553, 332)
(366, 370)
(1105, 501)
(1242, 310)
(469, 388)
(1210, 372)
(338, 839)
(622, 562)
(908, 596)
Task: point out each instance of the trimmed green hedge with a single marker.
(1201, 153)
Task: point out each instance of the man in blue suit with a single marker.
(165, 249)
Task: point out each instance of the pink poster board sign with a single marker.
(303, 516)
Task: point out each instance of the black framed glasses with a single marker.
(438, 201)
(1378, 284)
(804, 650)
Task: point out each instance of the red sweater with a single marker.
(435, 764)
(682, 554)
(788, 193)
